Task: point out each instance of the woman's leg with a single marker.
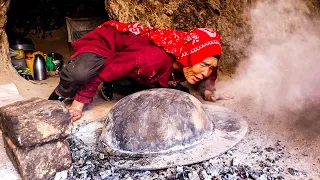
(77, 72)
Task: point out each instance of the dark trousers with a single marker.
(77, 72)
(82, 69)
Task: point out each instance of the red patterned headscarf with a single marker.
(189, 48)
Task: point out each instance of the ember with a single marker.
(92, 164)
(247, 160)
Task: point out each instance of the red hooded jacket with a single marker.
(127, 55)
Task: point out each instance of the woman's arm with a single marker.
(84, 96)
(208, 87)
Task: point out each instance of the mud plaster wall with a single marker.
(228, 17)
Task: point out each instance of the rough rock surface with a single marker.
(226, 17)
(39, 162)
(3, 12)
(33, 121)
(7, 71)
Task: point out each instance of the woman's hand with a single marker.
(76, 110)
(211, 96)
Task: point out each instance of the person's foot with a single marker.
(107, 91)
(55, 96)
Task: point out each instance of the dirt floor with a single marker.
(43, 89)
(297, 133)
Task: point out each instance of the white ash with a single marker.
(89, 164)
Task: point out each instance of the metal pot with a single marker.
(21, 43)
(57, 59)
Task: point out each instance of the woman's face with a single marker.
(198, 72)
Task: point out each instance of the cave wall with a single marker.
(229, 17)
(7, 72)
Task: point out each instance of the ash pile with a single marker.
(200, 141)
(89, 164)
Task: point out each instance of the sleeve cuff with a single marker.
(83, 99)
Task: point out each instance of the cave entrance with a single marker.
(49, 26)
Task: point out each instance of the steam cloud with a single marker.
(283, 66)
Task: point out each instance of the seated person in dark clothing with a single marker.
(123, 53)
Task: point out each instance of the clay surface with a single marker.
(156, 120)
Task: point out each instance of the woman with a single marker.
(150, 57)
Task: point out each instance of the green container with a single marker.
(49, 63)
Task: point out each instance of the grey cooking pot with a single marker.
(21, 43)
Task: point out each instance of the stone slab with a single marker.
(39, 162)
(35, 120)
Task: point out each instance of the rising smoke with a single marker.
(282, 70)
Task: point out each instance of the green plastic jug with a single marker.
(49, 64)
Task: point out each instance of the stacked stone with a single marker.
(34, 133)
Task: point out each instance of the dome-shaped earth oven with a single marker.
(171, 125)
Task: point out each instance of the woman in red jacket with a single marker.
(136, 55)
